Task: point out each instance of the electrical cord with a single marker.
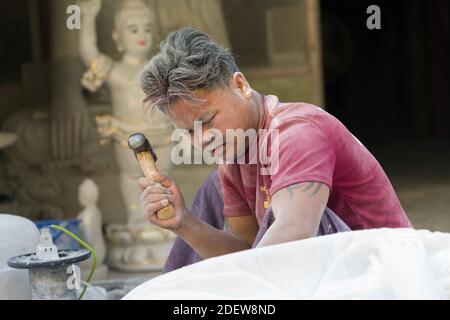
(86, 246)
(94, 288)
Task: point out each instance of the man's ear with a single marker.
(240, 84)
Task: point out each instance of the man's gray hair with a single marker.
(188, 60)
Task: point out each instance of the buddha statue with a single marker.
(135, 246)
(133, 33)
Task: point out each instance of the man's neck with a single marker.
(258, 101)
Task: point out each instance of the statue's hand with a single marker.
(105, 125)
(98, 73)
(90, 7)
(110, 128)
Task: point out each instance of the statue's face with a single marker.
(135, 36)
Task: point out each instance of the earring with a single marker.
(248, 93)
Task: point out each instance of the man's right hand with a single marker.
(205, 239)
(157, 194)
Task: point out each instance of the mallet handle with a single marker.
(148, 167)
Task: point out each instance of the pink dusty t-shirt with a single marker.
(313, 146)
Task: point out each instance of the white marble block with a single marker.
(369, 264)
(17, 236)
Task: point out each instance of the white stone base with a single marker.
(137, 248)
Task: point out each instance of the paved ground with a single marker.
(420, 173)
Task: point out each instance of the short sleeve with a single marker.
(301, 153)
(233, 191)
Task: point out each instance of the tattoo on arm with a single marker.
(319, 185)
(292, 188)
(305, 188)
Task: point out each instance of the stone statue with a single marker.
(91, 222)
(56, 127)
(40, 187)
(133, 35)
(136, 246)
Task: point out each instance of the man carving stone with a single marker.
(320, 163)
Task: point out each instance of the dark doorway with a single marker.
(393, 82)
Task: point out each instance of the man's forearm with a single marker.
(281, 233)
(208, 241)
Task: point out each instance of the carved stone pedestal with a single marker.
(137, 248)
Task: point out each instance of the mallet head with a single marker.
(139, 143)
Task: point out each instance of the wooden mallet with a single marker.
(147, 160)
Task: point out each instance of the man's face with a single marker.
(222, 109)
